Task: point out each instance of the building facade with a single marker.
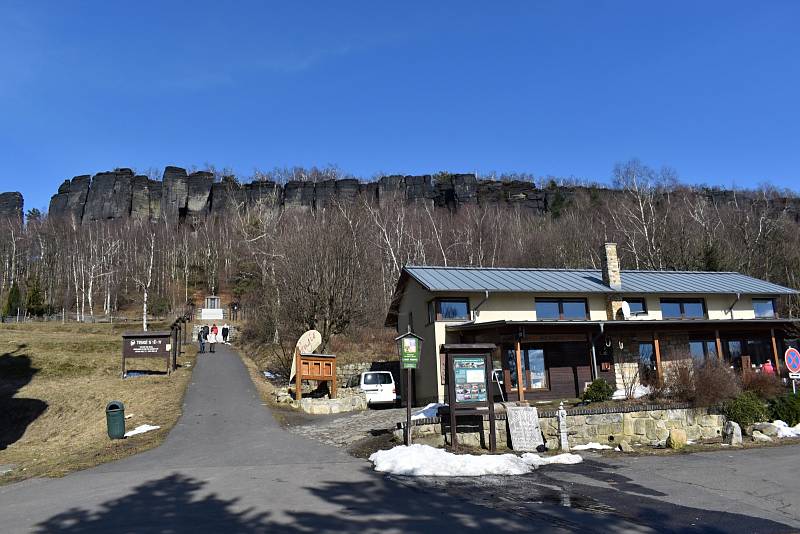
(563, 328)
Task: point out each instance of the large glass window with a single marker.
(450, 310)
(647, 363)
(764, 308)
(534, 372)
(734, 352)
(561, 310)
(701, 349)
(683, 309)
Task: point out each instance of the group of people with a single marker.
(212, 335)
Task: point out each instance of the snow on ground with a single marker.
(591, 446)
(640, 391)
(428, 411)
(141, 429)
(786, 431)
(424, 460)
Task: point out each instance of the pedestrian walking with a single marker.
(214, 329)
(212, 341)
(206, 331)
(201, 339)
(225, 331)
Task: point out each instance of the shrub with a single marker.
(765, 386)
(598, 391)
(786, 408)
(715, 383)
(746, 409)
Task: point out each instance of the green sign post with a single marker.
(409, 347)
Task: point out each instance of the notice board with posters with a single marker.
(468, 378)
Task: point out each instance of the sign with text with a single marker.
(523, 424)
(470, 379)
(156, 345)
(409, 347)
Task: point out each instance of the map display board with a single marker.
(470, 379)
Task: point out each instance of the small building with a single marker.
(212, 309)
(566, 327)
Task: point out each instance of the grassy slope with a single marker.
(75, 370)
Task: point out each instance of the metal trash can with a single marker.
(115, 419)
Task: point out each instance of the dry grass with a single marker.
(73, 371)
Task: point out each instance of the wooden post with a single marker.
(719, 345)
(657, 347)
(409, 396)
(490, 400)
(775, 352)
(298, 392)
(520, 381)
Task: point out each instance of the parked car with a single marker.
(379, 387)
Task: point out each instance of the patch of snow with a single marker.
(786, 431)
(428, 411)
(689, 442)
(640, 391)
(141, 429)
(591, 446)
(424, 460)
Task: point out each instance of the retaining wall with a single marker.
(642, 425)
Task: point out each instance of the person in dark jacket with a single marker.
(225, 330)
(201, 339)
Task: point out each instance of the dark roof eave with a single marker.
(653, 322)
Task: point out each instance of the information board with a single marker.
(523, 424)
(470, 379)
(409, 352)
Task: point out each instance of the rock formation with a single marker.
(11, 206)
(120, 194)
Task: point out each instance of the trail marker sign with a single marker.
(792, 359)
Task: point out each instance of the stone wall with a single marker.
(641, 427)
(351, 372)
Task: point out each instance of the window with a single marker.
(683, 308)
(647, 363)
(764, 308)
(377, 378)
(449, 310)
(701, 349)
(637, 306)
(534, 372)
(561, 310)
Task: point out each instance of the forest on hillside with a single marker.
(335, 269)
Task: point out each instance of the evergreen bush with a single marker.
(786, 408)
(598, 391)
(746, 409)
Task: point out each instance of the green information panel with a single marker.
(470, 375)
(409, 351)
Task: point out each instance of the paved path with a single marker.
(228, 467)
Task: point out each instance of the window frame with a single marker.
(681, 302)
(708, 343)
(638, 299)
(765, 299)
(435, 312)
(560, 302)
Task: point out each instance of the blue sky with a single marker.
(552, 88)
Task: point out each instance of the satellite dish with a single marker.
(308, 343)
(626, 310)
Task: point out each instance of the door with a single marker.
(534, 370)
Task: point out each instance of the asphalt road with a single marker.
(229, 467)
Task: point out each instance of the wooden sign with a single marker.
(523, 424)
(308, 343)
(146, 345)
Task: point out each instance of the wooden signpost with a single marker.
(146, 345)
(409, 347)
(309, 366)
(523, 425)
(469, 383)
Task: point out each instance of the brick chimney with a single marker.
(612, 277)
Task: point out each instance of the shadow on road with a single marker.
(16, 414)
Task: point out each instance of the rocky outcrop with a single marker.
(178, 196)
(11, 207)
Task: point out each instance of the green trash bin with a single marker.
(115, 419)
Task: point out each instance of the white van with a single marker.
(379, 387)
